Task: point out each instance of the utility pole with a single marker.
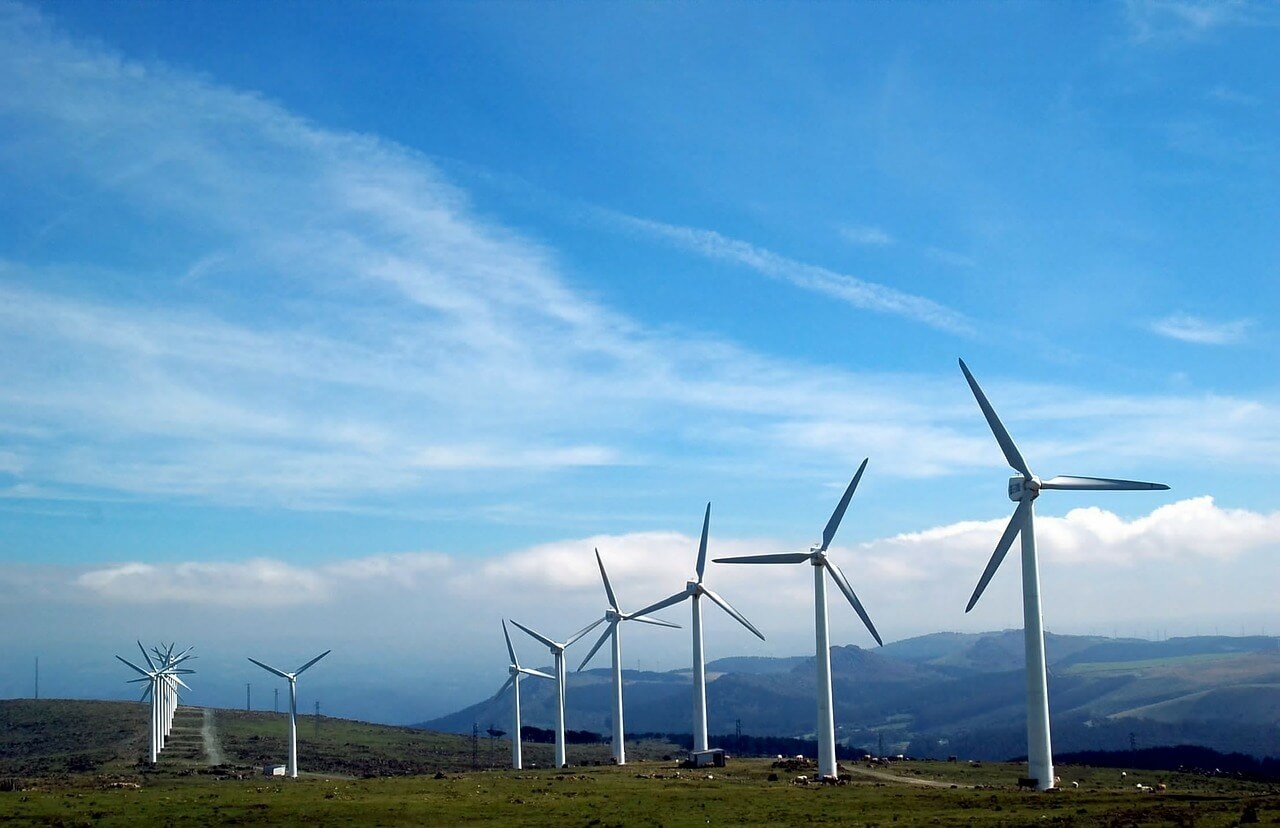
(247, 696)
(37, 678)
(317, 718)
(276, 705)
(475, 745)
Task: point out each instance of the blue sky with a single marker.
(418, 291)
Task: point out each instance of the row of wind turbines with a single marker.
(1024, 488)
(164, 677)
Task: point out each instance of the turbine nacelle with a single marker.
(1023, 488)
(693, 587)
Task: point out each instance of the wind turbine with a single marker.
(614, 617)
(292, 678)
(1023, 490)
(817, 556)
(694, 590)
(517, 672)
(557, 650)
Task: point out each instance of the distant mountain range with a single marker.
(952, 694)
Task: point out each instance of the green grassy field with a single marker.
(363, 774)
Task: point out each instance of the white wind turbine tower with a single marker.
(557, 650)
(694, 590)
(517, 672)
(169, 683)
(817, 556)
(614, 617)
(1023, 490)
(292, 678)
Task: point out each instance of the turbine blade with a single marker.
(997, 428)
(608, 590)
(1100, 484)
(181, 682)
(298, 671)
(663, 604)
(510, 650)
(838, 515)
(1002, 548)
(737, 616)
(702, 545)
(584, 631)
(529, 671)
(781, 557)
(145, 693)
(612, 630)
(134, 666)
(843, 583)
(269, 668)
(511, 679)
(150, 663)
(135, 681)
(536, 636)
(644, 619)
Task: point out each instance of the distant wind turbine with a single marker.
(292, 678)
(614, 617)
(694, 590)
(1023, 490)
(817, 556)
(557, 650)
(513, 681)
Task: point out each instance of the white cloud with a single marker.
(866, 234)
(646, 566)
(1188, 328)
(260, 583)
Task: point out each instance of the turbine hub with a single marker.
(612, 614)
(1022, 488)
(692, 587)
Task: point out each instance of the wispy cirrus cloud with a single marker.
(334, 322)
(866, 234)
(855, 292)
(1176, 20)
(1187, 328)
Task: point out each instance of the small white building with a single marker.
(273, 770)
(713, 758)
